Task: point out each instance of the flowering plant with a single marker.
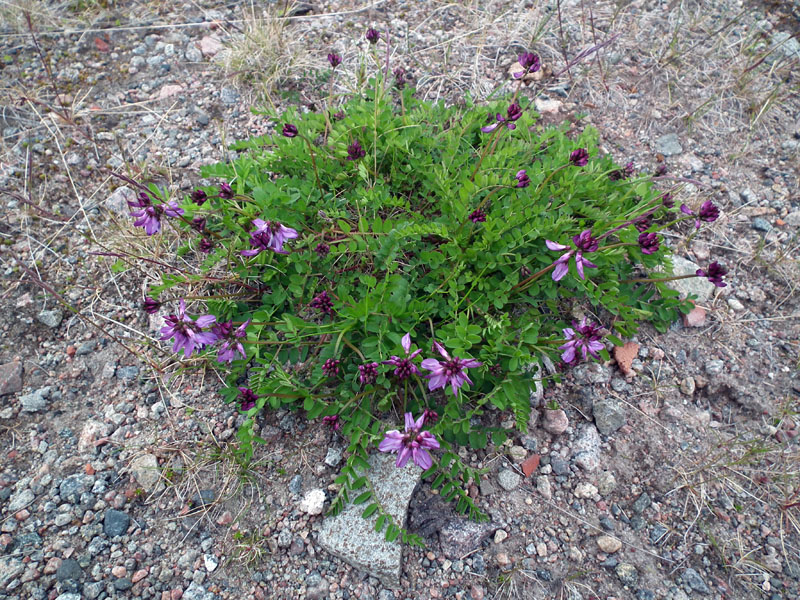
(327, 259)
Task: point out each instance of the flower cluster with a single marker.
(231, 340)
(513, 113)
(187, 333)
(584, 244)
(529, 62)
(579, 157)
(247, 398)
(149, 215)
(583, 340)
(355, 151)
(404, 368)
(714, 274)
(413, 443)
(323, 303)
(269, 235)
(451, 371)
(708, 213)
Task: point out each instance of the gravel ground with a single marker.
(671, 473)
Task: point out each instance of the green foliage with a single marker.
(405, 257)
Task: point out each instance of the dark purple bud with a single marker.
(661, 170)
(400, 77)
(205, 246)
(142, 201)
(429, 416)
(199, 197)
(289, 130)
(322, 249)
(225, 191)
(714, 274)
(708, 212)
(355, 151)
(247, 398)
(150, 306)
(513, 112)
(367, 373)
(579, 157)
(584, 241)
(642, 224)
(331, 367)
(373, 36)
(623, 173)
(199, 224)
(522, 178)
(668, 201)
(339, 116)
(323, 303)
(648, 243)
(477, 216)
(334, 59)
(529, 61)
(333, 422)
(496, 370)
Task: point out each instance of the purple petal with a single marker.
(250, 252)
(260, 224)
(594, 347)
(406, 342)
(437, 381)
(392, 442)
(560, 270)
(579, 265)
(511, 126)
(470, 362)
(206, 320)
(555, 246)
(419, 422)
(422, 458)
(489, 128)
(431, 364)
(428, 440)
(568, 333)
(685, 209)
(414, 353)
(402, 457)
(409, 421)
(440, 349)
(569, 354)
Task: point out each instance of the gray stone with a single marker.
(69, 569)
(460, 536)
(700, 287)
(10, 378)
(116, 523)
(333, 457)
(195, 591)
(693, 580)
(203, 497)
(123, 584)
(9, 569)
(284, 538)
(313, 502)
(192, 53)
(609, 415)
(51, 318)
(296, 484)
(86, 348)
(560, 465)
(669, 145)
(69, 596)
(73, 486)
(508, 479)
(793, 218)
(641, 503)
(317, 586)
(657, 533)
(127, 372)
(35, 401)
(229, 96)
(555, 421)
(591, 372)
(714, 367)
(627, 573)
(761, 224)
(144, 469)
(21, 500)
(586, 449)
(354, 539)
(92, 590)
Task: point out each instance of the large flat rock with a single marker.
(354, 539)
(700, 287)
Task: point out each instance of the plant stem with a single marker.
(313, 163)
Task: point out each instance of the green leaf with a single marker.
(369, 511)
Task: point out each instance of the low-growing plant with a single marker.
(391, 256)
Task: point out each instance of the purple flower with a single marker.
(225, 191)
(151, 306)
(289, 130)
(667, 200)
(648, 243)
(322, 249)
(579, 157)
(186, 332)
(714, 274)
(199, 197)
(708, 213)
(413, 443)
(429, 416)
(584, 338)
(513, 112)
(231, 344)
(623, 173)
(247, 398)
(149, 217)
(355, 151)
(450, 371)
(334, 59)
(367, 373)
(333, 422)
(331, 367)
(477, 216)
(584, 243)
(323, 303)
(404, 368)
(269, 235)
(199, 224)
(522, 178)
(529, 62)
(642, 224)
(372, 36)
(142, 200)
(205, 245)
(400, 77)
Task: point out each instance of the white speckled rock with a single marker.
(354, 539)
